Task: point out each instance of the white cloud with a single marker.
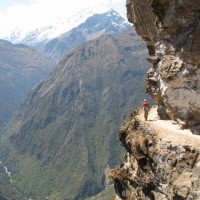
(45, 11)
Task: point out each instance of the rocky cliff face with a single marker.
(156, 168)
(171, 31)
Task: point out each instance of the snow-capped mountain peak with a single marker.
(52, 28)
(98, 24)
(48, 30)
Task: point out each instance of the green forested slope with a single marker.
(58, 143)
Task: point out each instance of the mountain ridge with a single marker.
(48, 31)
(21, 67)
(71, 119)
(109, 22)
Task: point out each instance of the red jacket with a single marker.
(145, 104)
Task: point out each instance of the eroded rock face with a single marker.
(155, 169)
(171, 29)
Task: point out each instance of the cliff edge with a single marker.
(171, 30)
(162, 160)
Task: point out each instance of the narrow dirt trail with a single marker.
(170, 132)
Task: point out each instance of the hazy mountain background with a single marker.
(50, 28)
(66, 130)
(94, 26)
(20, 68)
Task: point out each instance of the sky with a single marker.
(30, 13)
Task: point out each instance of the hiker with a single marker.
(146, 109)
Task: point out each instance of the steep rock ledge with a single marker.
(155, 168)
(171, 29)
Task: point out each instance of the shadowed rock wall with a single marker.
(171, 30)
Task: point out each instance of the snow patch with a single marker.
(56, 26)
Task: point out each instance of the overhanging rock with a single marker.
(171, 30)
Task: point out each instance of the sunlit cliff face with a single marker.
(171, 30)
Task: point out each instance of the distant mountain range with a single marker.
(58, 143)
(56, 27)
(21, 67)
(95, 26)
(49, 29)
(24, 66)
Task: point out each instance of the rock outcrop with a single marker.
(161, 163)
(171, 30)
(156, 168)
